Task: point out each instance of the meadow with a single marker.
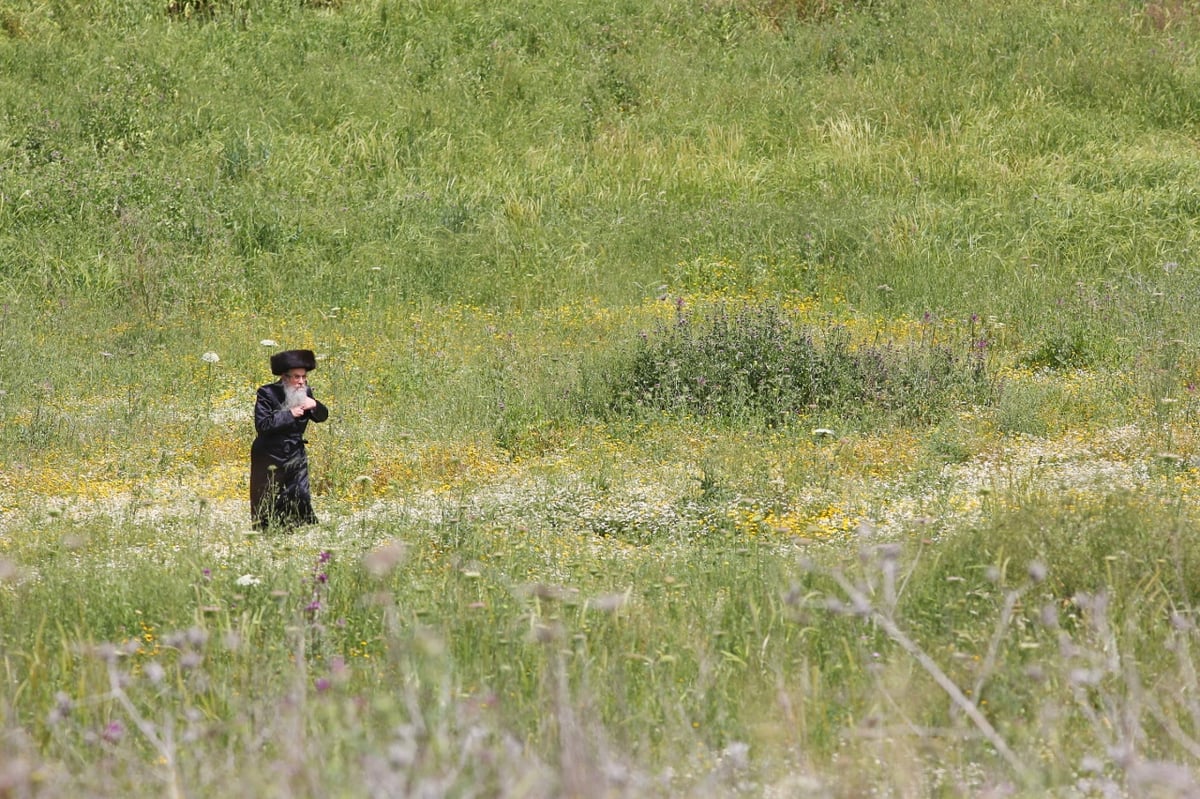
(729, 397)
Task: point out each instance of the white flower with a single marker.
(210, 357)
(248, 579)
(269, 342)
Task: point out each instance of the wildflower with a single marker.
(269, 342)
(547, 633)
(155, 672)
(322, 684)
(8, 570)
(112, 732)
(210, 357)
(248, 579)
(1037, 571)
(736, 756)
(549, 592)
(609, 603)
(382, 560)
(62, 708)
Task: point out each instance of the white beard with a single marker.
(292, 397)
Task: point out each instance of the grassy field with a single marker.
(729, 397)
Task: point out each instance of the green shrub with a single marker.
(756, 362)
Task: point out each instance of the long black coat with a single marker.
(279, 489)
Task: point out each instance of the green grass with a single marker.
(750, 397)
(477, 155)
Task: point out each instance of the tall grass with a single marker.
(421, 664)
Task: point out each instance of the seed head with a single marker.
(1037, 571)
(382, 560)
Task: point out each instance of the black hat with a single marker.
(293, 359)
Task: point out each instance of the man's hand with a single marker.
(307, 404)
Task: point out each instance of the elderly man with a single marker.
(279, 490)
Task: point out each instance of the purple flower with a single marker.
(313, 607)
(323, 684)
(112, 732)
(325, 557)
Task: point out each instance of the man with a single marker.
(279, 490)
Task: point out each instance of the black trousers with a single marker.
(279, 491)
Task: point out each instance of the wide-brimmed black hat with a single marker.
(293, 359)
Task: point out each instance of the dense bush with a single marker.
(757, 362)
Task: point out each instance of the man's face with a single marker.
(295, 379)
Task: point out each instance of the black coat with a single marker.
(279, 489)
